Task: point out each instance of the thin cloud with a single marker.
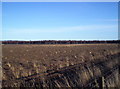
(60, 32)
(109, 20)
(60, 0)
(62, 29)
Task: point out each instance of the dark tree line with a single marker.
(60, 42)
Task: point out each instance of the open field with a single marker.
(70, 65)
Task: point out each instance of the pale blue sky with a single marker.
(60, 20)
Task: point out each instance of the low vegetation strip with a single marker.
(61, 42)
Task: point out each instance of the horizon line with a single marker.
(61, 40)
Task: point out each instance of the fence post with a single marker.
(102, 83)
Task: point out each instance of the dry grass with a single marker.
(26, 60)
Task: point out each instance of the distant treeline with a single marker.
(60, 42)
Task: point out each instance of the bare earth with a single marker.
(27, 60)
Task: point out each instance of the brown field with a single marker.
(57, 65)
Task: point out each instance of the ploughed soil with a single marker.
(24, 63)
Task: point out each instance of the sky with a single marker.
(60, 20)
(60, 0)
